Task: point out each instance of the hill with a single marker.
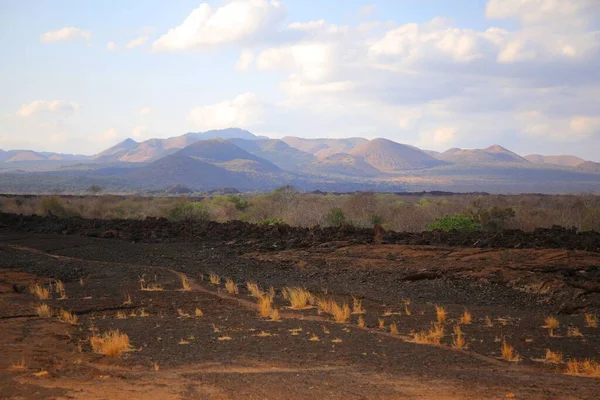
(589, 166)
(323, 147)
(492, 154)
(564, 160)
(276, 151)
(386, 155)
(342, 164)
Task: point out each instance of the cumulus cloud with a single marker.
(571, 128)
(245, 110)
(139, 41)
(542, 11)
(67, 33)
(235, 22)
(47, 106)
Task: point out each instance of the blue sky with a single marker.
(79, 76)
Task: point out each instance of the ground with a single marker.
(230, 352)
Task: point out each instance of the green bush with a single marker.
(238, 201)
(335, 217)
(53, 205)
(188, 211)
(457, 222)
(376, 219)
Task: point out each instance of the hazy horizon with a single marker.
(84, 75)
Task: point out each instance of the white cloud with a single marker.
(235, 22)
(307, 26)
(139, 131)
(542, 11)
(67, 33)
(47, 106)
(145, 111)
(246, 110)
(139, 41)
(111, 46)
(564, 129)
(245, 60)
(313, 59)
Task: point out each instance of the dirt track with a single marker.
(517, 288)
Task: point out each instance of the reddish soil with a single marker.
(515, 287)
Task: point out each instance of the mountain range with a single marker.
(236, 158)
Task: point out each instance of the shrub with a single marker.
(376, 219)
(239, 202)
(53, 205)
(457, 222)
(272, 221)
(188, 211)
(335, 217)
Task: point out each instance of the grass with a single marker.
(591, 320)
(214, 279)
(44, 311)
(223, 338)
(231, 287)
(433, 336)
(361, 322)
(265, 305)
(185, 283)
(68, 317)
(336, 340)
(466, 318)
(341, 313)
(488, 322)
(275, 315)
(553, 357)
(198, 312)
(583, 368)
(143, 313)
(551, 323)
(459, 339)
(357, 306)
(59, 288)
(508, 353)
(381, 323)
(394, 328)
(155, 367)
(112, 343)
(314, 338)
(182, 314)
(573, 331)
(253, 289)
(440, 313)
(121, 315)
(40, 292)
(406, 307)
(19, 364)
(152, 287)
(81, 282)
(298, 297)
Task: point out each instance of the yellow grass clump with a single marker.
(155, 367)
(185, 283)
(253, 289)
(361, 322)
(589, 368)
(231, 287)
(127, 300)
(459, 339)
(406, 307)
(59, 288)
(151, 287)
(298, 297)
(440, 313)
(573, 331)
(591, 320)
(112, 343)
(265, 305)
(40, 292)
(214, 279)
(81, 282)
(466, 318)
(394, 328)
(198, 312)
(553, 357)
(381, 323)
(121, 315)
(508, 353)
(357, 306)
(275, 315)
(551, 323)
(143, 313)
(68, 317)
(43, 311)
(314, 338)
(433, 336)
(19, 364)
(182, 314)
(340, 313)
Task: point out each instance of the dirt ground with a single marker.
(230, 352)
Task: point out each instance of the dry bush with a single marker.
(551, 323)
(59, 287)
(198, 312)
(112, 343)
(591, 320)
(43, 311)
(553, 357)
(231, 287)
(68, 317)
(341, 313)
(357, 306)
(432, 336)
(466, 318)
(214, 279)
(41, 292)
(151, 287)
(440, 313)
(298, 297)
(394, 328)
(185, 283)
(458, 342)
(508, 353)
(224, 338)
(589, 368)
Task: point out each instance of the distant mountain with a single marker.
(30, 156)
(276, 151)
(342, 164)
(323, 147)
(565, 160)
(589, 166)
(386, 155)
(115, 152)
(492, 154)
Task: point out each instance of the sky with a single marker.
(78, 76)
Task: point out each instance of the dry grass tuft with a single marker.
(81, 282)
(143, 313)
(340, 313)
(44, 311)
(151, 287)
(433, 336)
(314, 338)
(381, 323)
(198, 312)
(127, 300)
(298, 297)
(440, 313)
(361, 322)
(583, 368)
(336, 340)
(264, 334)
(509, 353)
(112, 343)
(357, 306)
(394, 328)
(182, 314)
(223, 338)
(488, 322)
(591, 320)
(40, 292)
(551, 323)
(574, 332)
(265, 305)
(231, 287)
(121, 315)
(155, 367)
(214, 279)
(275, 315)
(68, 317)
(19, 365)
(466, 318)
(59, 288)
(459, 339)
(253, 289)
(553, 357)
(183, 341)
(406, 307)
(185, 283)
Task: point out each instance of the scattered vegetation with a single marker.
(68, 317)
(44, 311)
(198, 312)
(341, 313)
(231, 287)
(591, 320)
(185, 283)
(21, 364)
(265, 305)
(573, 331)
(298, 297)
(406, 307)
(466, 318)
(214, 279)
(275, 315)
(457, 222)
(458, 342)
(432, 336)
(112, 343)
(553, 357)
(394, 328)
(488, 322)
(357, 306)
(41, 292)
(551, 323)
(381, 323)
(589, 368)
(127, 300)
(508, 353)
(440, 313)
(361, 322)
